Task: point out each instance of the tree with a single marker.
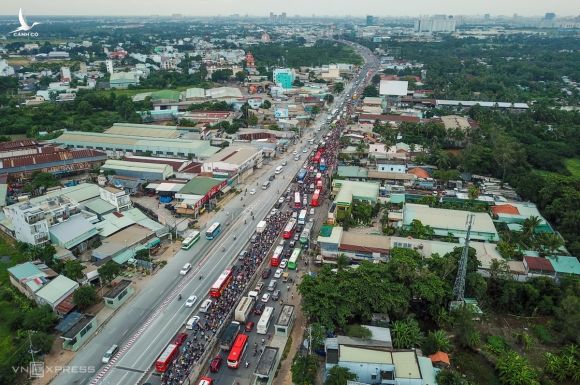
(109, 271)
(358, 331)
(304, 369)
(338, 88)
(329, 98)
(564, 365)
(514, 370)
(240, 76)
(318, 334)
(529, 226)
(41, 342)
(85, 296)
(73, 269)
(370, 91)
(406, 334)
(467, 335)
(315, 110)
(436, 341)
(376, 79)
(342, 261)
(337, 375)
(40, 318)
(473, 192)
(568, 317)
(219, 76)
(266, 104)
(143, 254)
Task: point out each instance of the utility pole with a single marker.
(459, 287)
(31, 349)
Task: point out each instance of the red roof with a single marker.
(17, 144)
(538, 264)
(419, 172)
(440, 357)
(50, 155)
(390, 118)
(505, 209)
(389, 77)
(66, 305)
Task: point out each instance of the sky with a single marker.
(291, 7)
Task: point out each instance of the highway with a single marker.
(146, 324)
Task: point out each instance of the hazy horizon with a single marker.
(337, 8)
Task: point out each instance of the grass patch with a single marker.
(476, 367)
(573, 165)
(8, 249)
(286, 349)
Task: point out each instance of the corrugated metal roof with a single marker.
(371, 356)
(565, 265)
(72, 231)
(56, 288)
(406, 365)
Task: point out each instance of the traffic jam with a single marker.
(283, 236)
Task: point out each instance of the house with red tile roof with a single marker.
(538, 266)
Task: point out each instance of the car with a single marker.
(281, 200)
(185, 269)
(278, 273)
(252, 191)
(266, 273)
(297, 157)
(273, 211)
(249, 326)
(254, 238)
(109, 353)
(272, 177)
(305, 150)
(283, 263)
(276, 295)
(282, 242)
(259, 287)
(243, 254)
(265, 297)
(296, 237)
(288, 198)
(259, 308)
(191, 322)
(294, 152)
(215, 364)
(180, 339)
(312, 211)
(284, 163)
(292, 243)
(190, 301)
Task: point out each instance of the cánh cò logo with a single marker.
(24, 29)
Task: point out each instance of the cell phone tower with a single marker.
(459, 287)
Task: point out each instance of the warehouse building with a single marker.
(141, 170)
(234, 160)
(117, 146)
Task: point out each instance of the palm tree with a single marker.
(550, 243)
(529, 225)
(342, 261)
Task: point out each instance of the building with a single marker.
(123, 80)
(120, 292)
(386, 165)
(370, 20)
(74, 234)
(140, 170)
(284, 77)
(285, 321)
(122, 245)
(234, 160)
(374, 361)
(345, 192)
(470, 103)
(118, 199)
(29, 277)
(435, 24)
(116, 146)
(266, 367)
(515, 213)
(445, 222)
(65, 76)
(394, 88)
(198, 193)
(564, 265)
(58, 294)
(537, 266)
(76, 329)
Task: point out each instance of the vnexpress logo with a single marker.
(24, 29)
(36, 369)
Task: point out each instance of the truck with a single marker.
(244, 309)
(261, 227)
(229, 335)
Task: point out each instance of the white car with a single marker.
(190, 301)
(274, 211)
(312, 211)
(252, 191)
(185, 269)
(284, 163)
(265, 297)
(192, 321)
(294, 152)
(109, 353)
(281, 200)
(278, 273)
(283, 263)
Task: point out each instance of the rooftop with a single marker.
(356, 190)
(121, 240)
(73, 231)
(365, 355)
(266, 362)
(234, 155)
(406, 365)
(143, 131)
(352, 172)
(165, 169)
(56, 288)
(78, 326)
(117, 289)
(200, 185)
(369, 242)
(565, 265)
(285, 315)
(539, 264)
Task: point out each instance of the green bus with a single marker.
(293, 261)
(190, 240)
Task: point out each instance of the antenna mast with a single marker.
(459, 287)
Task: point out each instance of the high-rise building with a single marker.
(109, 64)
(435, 24)
(549, 16)
(370, 20)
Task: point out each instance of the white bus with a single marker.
(190, 240)
(302, 217)
(265, 319)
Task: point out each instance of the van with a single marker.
(265, 185)
(272, 285)
(110, 353)
(278, 170)
(285, 277)
(311, 188)
(253, 294)
(205, 305)
(294, 215)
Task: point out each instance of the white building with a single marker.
(386, 165)
(234, 160)
(435, 24)
(5, 69)
(118, 198)
(109, 64)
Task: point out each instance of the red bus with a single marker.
(315, 199)
(220, 285)
(165, 359)
(205, 381)
(317, 157)
(277, 256)
(289, 229)
(319, 185)
(237, 351)
(297, 201)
